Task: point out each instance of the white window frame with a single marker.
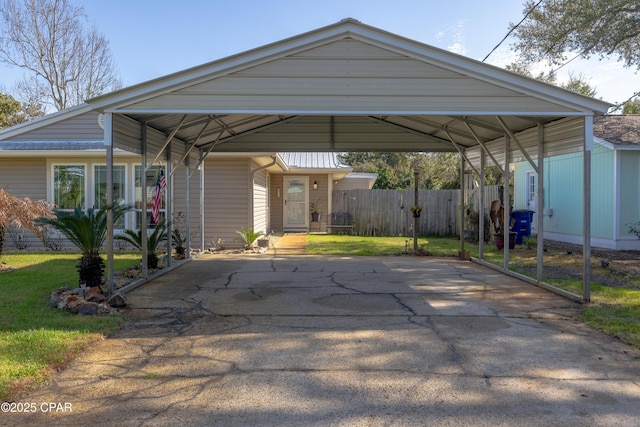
(51, 184)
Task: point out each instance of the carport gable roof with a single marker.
(344, 87)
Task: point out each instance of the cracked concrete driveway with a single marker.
(314, 341)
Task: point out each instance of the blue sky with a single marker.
(150, 39)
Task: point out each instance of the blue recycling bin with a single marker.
(521, 219)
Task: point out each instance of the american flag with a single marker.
(161, 183)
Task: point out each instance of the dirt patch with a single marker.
(565, 261)
(4, 268)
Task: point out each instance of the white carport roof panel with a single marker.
(347, 77)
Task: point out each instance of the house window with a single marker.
(100, 185)
(69, 186)
(152, 178)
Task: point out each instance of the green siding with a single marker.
(629, 212)
(520, 185)
(602, 192)
(564, 192)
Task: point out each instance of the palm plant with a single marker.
(88, 231)
(247, 236)
(178, 241)
(134, 238)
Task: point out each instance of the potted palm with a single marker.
(314, 209)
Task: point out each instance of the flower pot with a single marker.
(315, 216)
(499, 238)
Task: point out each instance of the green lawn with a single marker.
(34, 339)
(335, 244)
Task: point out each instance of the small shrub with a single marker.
(530, 241)
(634, 229)
(247, 236)
(158, 236)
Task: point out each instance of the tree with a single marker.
(66, 63)
(9, 107)
(578, 84)
(632, 106)
(22, 213)
(88, 231)
(556, 30)
(13, 112)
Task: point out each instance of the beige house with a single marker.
(268, 192)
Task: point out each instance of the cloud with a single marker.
(458, 45)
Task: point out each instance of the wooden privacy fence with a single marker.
(388, 212)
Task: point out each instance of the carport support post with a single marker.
(540, 204)
(481, 235)
(461, 212)
(168, 205)
(586, 223)
(201, 169)
(187, 231)
(108, 142)
(143, 202)
(415, 217)
(506, 233)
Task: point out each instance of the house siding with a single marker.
(564, 194)
(226, 199)
(260, 202)
(629, 211)
(24, 178)
(79, 128)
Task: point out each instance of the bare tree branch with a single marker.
(49, 40)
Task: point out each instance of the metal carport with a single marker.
(353, 87)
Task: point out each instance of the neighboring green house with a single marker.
(615, 187)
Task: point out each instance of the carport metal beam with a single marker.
(411, 130)
(483, 146)
(513, 137)
(168, 140)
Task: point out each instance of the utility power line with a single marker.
(512, 29)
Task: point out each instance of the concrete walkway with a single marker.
(290, 244)
(268, 340)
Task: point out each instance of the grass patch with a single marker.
(34, 339)
(336, 244)
(615, 311)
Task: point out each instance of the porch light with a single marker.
(315, 185)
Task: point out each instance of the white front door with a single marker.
(532, 196)
(296, 203)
